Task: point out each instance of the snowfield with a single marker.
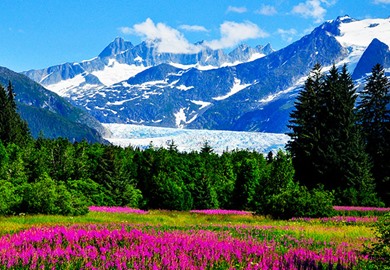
(188, 140)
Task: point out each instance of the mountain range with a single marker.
(247, 89)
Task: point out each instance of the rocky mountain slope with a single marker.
(134, 84)
(49, 113)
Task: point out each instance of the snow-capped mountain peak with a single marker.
(361, 33)
(121, 60)
(119, 45)
(247, 89)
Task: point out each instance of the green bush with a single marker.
(169, 192)
(45, 196)
(379, 252)
(298, 201)
(70, 203)
(132, 196)
(9, 199)
(40, 196)
(93, 193)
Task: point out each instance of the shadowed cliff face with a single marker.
(48, 113)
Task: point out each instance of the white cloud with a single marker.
(237, 9)
(313, 9)
(168, 40)
(287, 34)
(233, 33)
(126, 30)
(193, 28)
(267, 10)
(381, 2)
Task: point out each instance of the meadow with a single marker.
(126, 238)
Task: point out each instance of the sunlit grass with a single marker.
(318, 231)
(316, 236)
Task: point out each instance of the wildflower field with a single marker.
(125, 238)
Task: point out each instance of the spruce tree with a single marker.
(305, 126)
(374, 118)
(327, 146)
(5, 124)
(13, 129)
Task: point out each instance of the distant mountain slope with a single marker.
(172, 91)
(121, 59)
(46, 112)
(376, 53)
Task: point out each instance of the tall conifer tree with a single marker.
(13, 129)
(304, 125)
(374, 118)
(326, 145)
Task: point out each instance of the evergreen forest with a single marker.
(338, 154)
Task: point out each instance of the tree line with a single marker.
(328, 162)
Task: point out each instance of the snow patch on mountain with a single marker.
(180, 118)
(115, 72)
(237, 87)
(256, 56)
(202, 104)
(188, 140)
(62, 88)
(182, 87)
(299, 83)
(361, 33)
(197, 66)
(357, 35)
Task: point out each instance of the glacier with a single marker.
(188, 140)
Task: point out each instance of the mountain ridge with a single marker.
(50, 114)
(254, 95)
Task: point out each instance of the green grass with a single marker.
(321, 232)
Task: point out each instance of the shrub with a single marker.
(93, 192)
(298, 201)
(47, 197)
(40, 196)
(379, 252)
(9, 199)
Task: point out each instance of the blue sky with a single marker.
(40, 33)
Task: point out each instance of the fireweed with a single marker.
(116, 209)
(221, 212)
(361, 210)
(339, 219)
(122, 246)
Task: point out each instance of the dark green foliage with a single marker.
(304, 123)
(224, 181)
(9, 198)
(247, 182)
(281, 197)
(379, 252)
(169, 192)
(93, 192)
(326, 144)
(45, 196)
(12, 128)
(374, 118)
(298, 201)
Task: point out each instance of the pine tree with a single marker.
(326, 145)
(374, 118)
(13, 129)
(11, 96)
(304, 124)
(246, 185)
